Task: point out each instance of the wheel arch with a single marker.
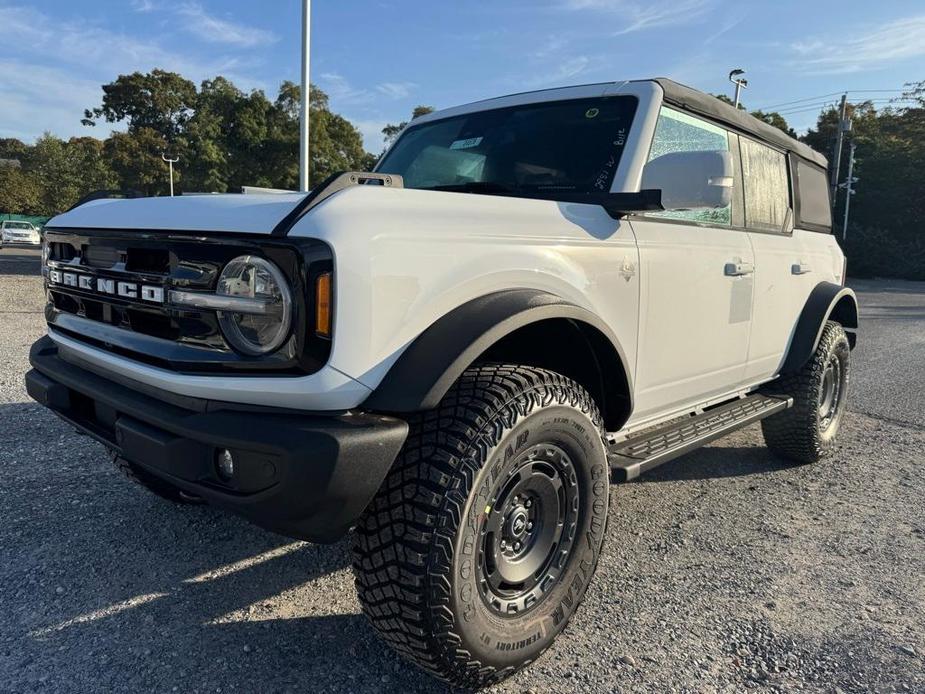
(827, 301)
(524, 326)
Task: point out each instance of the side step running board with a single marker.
(649, 448)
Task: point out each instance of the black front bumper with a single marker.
(303, 475)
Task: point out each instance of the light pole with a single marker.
(306, 87)
(171, 159)
(844, 125)
(848, 185)
(740, 83)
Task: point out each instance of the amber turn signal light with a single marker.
(323, 305)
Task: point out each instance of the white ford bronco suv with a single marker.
(455, 354)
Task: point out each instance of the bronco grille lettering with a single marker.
(100, 285)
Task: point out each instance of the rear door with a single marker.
(696, 273)
(781, 264)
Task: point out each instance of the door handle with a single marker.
(737, 269)
(800, 269)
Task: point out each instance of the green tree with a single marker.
(66, 171)
(135, 157)
(159, 100)
(775, 119)
(225, 138)
(20, 191)
(884, 237)
(11, 148)
(390, 131)
(334, 143)
(207, 157)
(770, 117)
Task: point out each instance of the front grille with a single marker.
(110, 289)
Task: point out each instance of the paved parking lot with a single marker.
(724, 570)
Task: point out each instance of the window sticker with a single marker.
(592, 112)
(466, 144)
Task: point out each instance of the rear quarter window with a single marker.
(812, 186)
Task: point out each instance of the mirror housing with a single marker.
(691, 180)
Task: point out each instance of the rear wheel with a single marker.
(483, 538)
(807, 431)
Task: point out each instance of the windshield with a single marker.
(535, 149)
(17, 225)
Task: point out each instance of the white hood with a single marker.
(255, 214)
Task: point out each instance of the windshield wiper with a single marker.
(487, 187)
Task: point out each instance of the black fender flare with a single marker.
(427, 368)
(826, 301)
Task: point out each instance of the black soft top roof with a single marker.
(737, 119)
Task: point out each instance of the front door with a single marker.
(695, 314)
(696, 289)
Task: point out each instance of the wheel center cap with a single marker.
(518, 523)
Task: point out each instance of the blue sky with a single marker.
(377, 59)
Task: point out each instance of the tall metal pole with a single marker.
(306, 87)
(836, 166)
(170, 159)
(735, 76)
(849, 191)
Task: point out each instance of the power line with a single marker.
(814, 107)
(831, 104)
(798, 101)
(822, 96)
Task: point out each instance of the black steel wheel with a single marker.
(807, 431)
(529, 530)
(481, 543)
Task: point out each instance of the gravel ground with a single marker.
(723, 570)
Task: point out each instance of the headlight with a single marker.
(260, 321)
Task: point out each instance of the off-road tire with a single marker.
(800, 433)
(163, 489)
(418, 562)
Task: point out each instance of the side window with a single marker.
(678, 132)
(813, 193)
(767, 188)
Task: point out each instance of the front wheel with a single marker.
(806, 432)
(484, 536)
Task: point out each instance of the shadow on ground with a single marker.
(102, 580)
(716, 463)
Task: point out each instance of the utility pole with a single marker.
(171, 159)
(848, 185)
(844, 125)
(306, 88)
(740, 83)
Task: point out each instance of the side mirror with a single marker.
(691, 180)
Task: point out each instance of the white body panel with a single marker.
(787, 267)
(405, 258)
(694, 320)
(256, 214)
(328, 389)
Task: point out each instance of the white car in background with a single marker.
(12, 231)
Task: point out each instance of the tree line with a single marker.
(226, 138)
(886, 237)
